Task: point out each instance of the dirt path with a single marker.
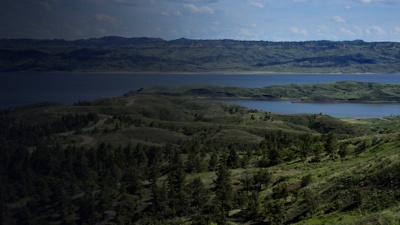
(130, 102)
(86, 140)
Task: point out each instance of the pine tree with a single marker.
(344, 150)
(198, 195)
(223, 192)
(233, 158)
(331, 144)
(262, 177)
(159, 199)
(213, 163)
(176, 185)
(306, 146)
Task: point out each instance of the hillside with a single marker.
(153, 159)
(344, 91)
(184, 55)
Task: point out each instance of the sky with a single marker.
(267, 20)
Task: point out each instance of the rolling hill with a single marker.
(112, 54)
(156, 159)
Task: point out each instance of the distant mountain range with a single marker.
(120, 54)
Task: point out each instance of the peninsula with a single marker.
(343, 91)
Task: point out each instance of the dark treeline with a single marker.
(29, 135)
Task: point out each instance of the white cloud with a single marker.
(378, 1)
(175, 13)
(216, 23)
(296, 30)
(105, 18)
(339, 19)
(256, 3)
(199, 9)
(397, 30)
(364, 1)
(244, 32)
(347, 31)
(48, 4)
(379, 30)
(322, 30)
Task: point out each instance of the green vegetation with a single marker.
(157, 159)
(183, 55)
(343, 91)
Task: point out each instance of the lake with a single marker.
(28, 88)
(338, 110)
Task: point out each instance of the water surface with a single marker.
(67, 88)
(338, 110)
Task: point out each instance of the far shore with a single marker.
(203, 73)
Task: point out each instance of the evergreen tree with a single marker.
(344, 150)
(317, 151)
(213, 163)
(331, 144)
(262, 177)
(233, 158)
(176, 185)
(274, 212)
(159, 199)
(126, 208)
(306, 146)
(198, 195)
(193, 163)
(312, 200)
(223, 192)
(254, 205)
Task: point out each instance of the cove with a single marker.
(338, 110)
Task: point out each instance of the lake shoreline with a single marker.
(199, 73)
(299, 101)
(26, 88)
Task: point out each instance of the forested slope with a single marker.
(149, 159)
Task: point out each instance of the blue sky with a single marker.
(269, 20)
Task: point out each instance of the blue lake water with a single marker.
(339, 110)
(27, 88)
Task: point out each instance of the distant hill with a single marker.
(184, 55)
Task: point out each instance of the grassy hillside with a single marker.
(183, 55)
(344, 91)
(153, 159)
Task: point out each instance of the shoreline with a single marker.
(299, 101)
(204, 73)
